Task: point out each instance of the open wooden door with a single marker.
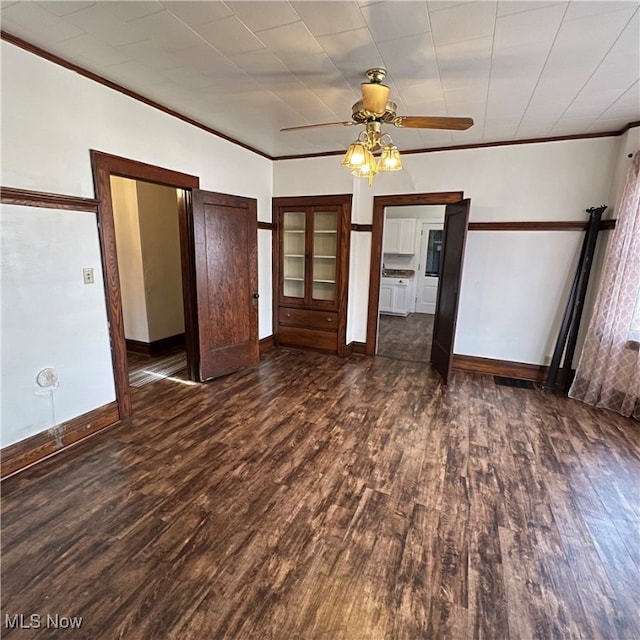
(225, 236)
(456, 218)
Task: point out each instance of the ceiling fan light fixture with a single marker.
(367, 168)
(390, 159)
(355, 155)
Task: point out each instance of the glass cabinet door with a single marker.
(434, 251)
(293, 259)
(324, 257)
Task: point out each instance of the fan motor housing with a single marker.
(361, 116)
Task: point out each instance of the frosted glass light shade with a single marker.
(390, 159)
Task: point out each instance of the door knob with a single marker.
(255, 297)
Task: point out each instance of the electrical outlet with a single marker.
(87, 275)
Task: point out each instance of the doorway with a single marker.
(218, 252)
(456, 220)
(409, 282)
(146, 219)
(380, 203)
(104, 166)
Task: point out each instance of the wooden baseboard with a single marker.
(157, 347)
(358, 348)
(507, 368)
(266, 344)
(23, 454)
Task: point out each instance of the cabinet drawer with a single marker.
(299, 337)
(325, 320)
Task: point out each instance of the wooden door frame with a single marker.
(104, 166)
(379, 205)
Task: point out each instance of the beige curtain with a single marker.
(608, 374)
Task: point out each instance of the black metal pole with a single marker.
(585, 272)
(572, 314)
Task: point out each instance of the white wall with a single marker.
(50, 318)
(160, 238)
(511, 298)
(51, 118)
(124, 196)
(629, 145)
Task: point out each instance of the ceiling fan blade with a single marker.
(374, 97)
(324, 124)
(433, 122)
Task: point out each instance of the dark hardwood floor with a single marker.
(144, 369)
(314, 497)
(406, 338)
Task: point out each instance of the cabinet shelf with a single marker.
(292, 278)
(294, 230)
(294, 255)
(324, 281)
(324, 231)
(326, 257)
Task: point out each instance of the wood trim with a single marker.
(51, 57)
(157, 347)
(535, 225)
(309, 201)
(379, 205)
(266, 344)
(269, 226)
(23, 454)
(629, 125)
(507, 368)
(477, 145)
(28, 198)
(361, 227)
(104, 166)
(357, 348)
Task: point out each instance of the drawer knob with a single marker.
(328, 319)
(288, 315)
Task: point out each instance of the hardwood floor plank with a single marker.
(319, 498)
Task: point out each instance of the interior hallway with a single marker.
(406, 338)
(315, 497)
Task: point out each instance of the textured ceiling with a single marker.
(247, 69)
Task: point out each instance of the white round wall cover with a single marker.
(47, 378)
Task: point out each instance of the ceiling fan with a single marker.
(375, 106)
(374, 110)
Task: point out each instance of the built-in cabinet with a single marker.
(395, 296)
(399, 236)
(311, 253)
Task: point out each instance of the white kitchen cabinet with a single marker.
(394, 296)
(399, 236)
(386, 297)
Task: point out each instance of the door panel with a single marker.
(430, 250)
(456, 219)
(225, 242)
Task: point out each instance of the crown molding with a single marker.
(480, 145)
(51, 57)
